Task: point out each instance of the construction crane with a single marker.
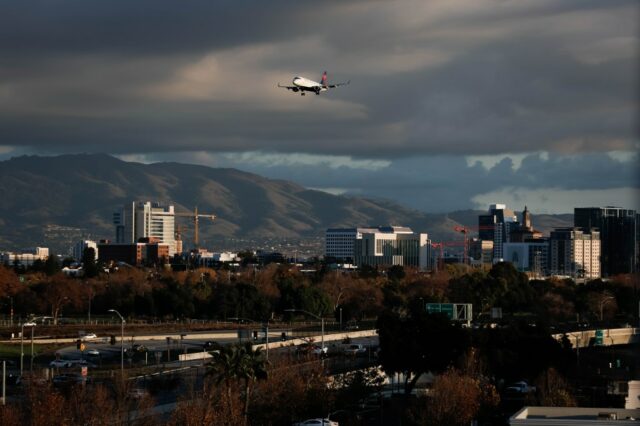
(466, 230)
(196, 219)
(441, 245)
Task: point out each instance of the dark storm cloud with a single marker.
(442, 77)
(432, 83)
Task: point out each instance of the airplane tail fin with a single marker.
(324, 79)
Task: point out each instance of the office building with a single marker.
(148, 251)
(340, 242)
(619, 234)
(146, 220)
(78, 249)
(496, 226)
(480, 252)
(24, 259)
(575, 252)
(389, 246)
(531, 257)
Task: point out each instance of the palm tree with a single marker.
(238, 362)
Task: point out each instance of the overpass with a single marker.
(610, 337)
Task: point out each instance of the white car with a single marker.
(29, 324)
(316, 422)
(89, 336)
(60, 363)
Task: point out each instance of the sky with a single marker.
(452, 104)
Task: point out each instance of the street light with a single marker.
(121, 341)
(602, 303)
(22, 345)
(315, 316)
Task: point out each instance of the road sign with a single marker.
(84, 371)
(599, 340)
(453, 311)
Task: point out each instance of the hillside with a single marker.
(56, 200)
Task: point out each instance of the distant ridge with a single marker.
(54, 200)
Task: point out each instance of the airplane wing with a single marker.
(287, 87)
(331, 86)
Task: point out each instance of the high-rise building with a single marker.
(497, 226)
(80, 246)
(340, 242)
(480, 252)
(619, 233)
(531, 257)
(575, 252)
(146, 220)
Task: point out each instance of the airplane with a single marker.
(302, 85)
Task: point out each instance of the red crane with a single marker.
(466, 230)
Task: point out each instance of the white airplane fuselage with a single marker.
(306, 85)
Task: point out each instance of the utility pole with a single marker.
(31, 364)
(121, 342)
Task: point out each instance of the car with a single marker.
(211, 345)
(355, 349)
(138, 348)
(88, 336)
(316, 422)
(92, 352)
(68, 379)
(308, 348)
(29, 324)
(521, 387)
(83, 363)
(60, 363)
(137, 393)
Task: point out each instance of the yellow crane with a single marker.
(196, 218)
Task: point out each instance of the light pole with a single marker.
(602, 303)
(22, 346)
(121, 342)
(315, 316)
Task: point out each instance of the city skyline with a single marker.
(451, 105)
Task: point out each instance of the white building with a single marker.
(340, 242)
(388, 246)
(78, 249)
(575, 252)
(146, 220)
(24, 259)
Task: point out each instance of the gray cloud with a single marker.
(432, 83)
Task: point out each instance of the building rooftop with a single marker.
(573, 416)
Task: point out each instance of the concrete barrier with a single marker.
(317, 339)
(611, 336)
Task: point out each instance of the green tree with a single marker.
(51, 265)
(235, 363)
(419, 343)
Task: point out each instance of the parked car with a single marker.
(29, 324)
(83, 363)
(93, 352)
(316, 422)
(60, 363)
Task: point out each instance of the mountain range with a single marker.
(54, 201)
